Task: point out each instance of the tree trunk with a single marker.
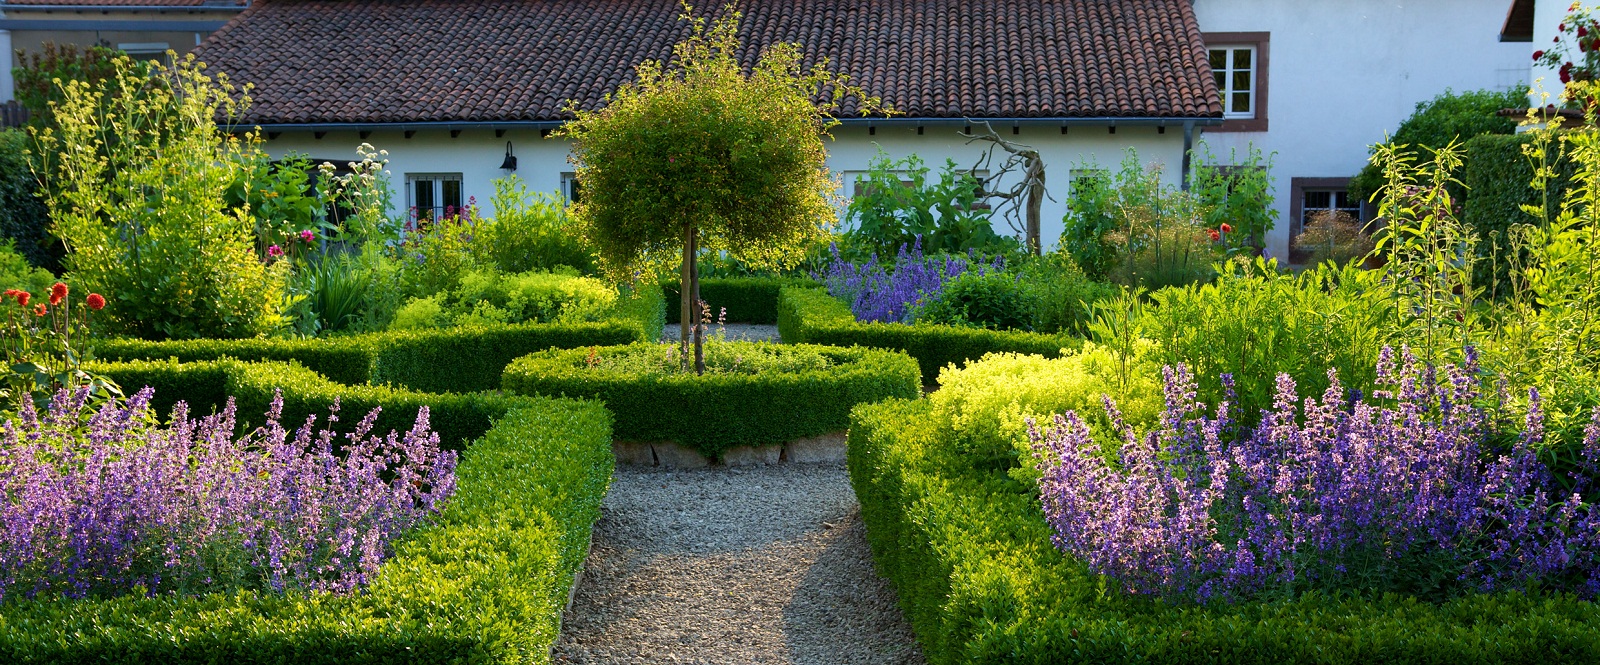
(700, 323)
(1035, 201)
(685, 294)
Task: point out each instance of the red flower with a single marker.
(95, 302)
(1582, 32)
(1538, 54)
(22, 298)
(58, 292)
(1227, 228)
(39, 309)
(1213, 234)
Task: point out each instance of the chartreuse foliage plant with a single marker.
(751, 394)
(137, 188)
(485, 582)
(732, 160)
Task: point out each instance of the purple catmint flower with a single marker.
(1409, 494)
(893, 293)
(97, 503)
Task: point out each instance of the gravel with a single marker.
(737, 332)
(763, 564)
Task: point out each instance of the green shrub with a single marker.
(1063, 297)
(487, 583)
(747, 299)
(433, 360)
(529, 231)
(488, 296)
(17, 273)
(787, 396)
(896, 205)
(23, 216)
(1498, 177)
(969, 554)
(207, 385)
(811, 316)
(1136, 230)
(996, 301)
(1449, 117)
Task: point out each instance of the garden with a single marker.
(256, 412)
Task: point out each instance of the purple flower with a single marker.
(1410, 494)
(893, 293)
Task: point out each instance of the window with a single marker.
(145, 50)
(433, 195)
(1309, 197)
(570, 187)
(1234, 68)
(1239, 67)
(1314, 201)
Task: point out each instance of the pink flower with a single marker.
(307, 235)
(274, 251)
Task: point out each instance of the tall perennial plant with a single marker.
(102, 502)
(1403, 492)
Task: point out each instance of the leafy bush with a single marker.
(1449, 117)
(487, 297)
(1333, 236)
(24, 219)
(1498, 175)
(101, 504)
(1402, 495)
(1136, 231)
(1237, 196)
(529, 231)
(752, 394)
(811, 316)
(895, 206)
(1255, 323)
(487, 583)
(968, 552)
(17, 273)
(412, 359)
(145, 218)
(343, 292)
(1062, 296)
(743, 299)
(997, 301)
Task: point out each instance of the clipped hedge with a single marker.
(748, 299)
(811, 316)
(206, 386)
(486, 583)
(969, 553)
(1499, 181)
(718, 411)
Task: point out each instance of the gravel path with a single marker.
(764, 564)
(739, 332)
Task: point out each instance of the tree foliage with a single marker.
(1448, 118)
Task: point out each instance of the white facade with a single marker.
(476, 154)
(1342, 73)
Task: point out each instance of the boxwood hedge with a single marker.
(970, 555)
(717, 411)
(747, 299)
(810, 315)
(207, 385)
(486, 583)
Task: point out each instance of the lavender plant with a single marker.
(1404, 492)
(97, 503)
(893, 293)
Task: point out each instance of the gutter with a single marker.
(1190, 122)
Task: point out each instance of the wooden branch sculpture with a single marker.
(1028, 194)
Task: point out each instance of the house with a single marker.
(142, 28)
(450, 87)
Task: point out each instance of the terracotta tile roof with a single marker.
(134, 4)
(392, 61)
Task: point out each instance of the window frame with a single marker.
(571, 189)
(1261, 44)
(1298, 188)
(437, 194)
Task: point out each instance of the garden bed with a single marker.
(438, 360)
(486, 583)
(970, 554)
(755, 394)
(811, 316)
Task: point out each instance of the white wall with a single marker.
(7, 89)
(1344, 72)
(477, 155)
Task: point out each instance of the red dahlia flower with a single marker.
(58, 292)
(40, 309)
(95, 302)
(1214, 235)
(1227, 228)
(22, 298)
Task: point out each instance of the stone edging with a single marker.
(666, 454)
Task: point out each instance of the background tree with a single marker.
(699, 153)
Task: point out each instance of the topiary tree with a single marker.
(698, 154)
